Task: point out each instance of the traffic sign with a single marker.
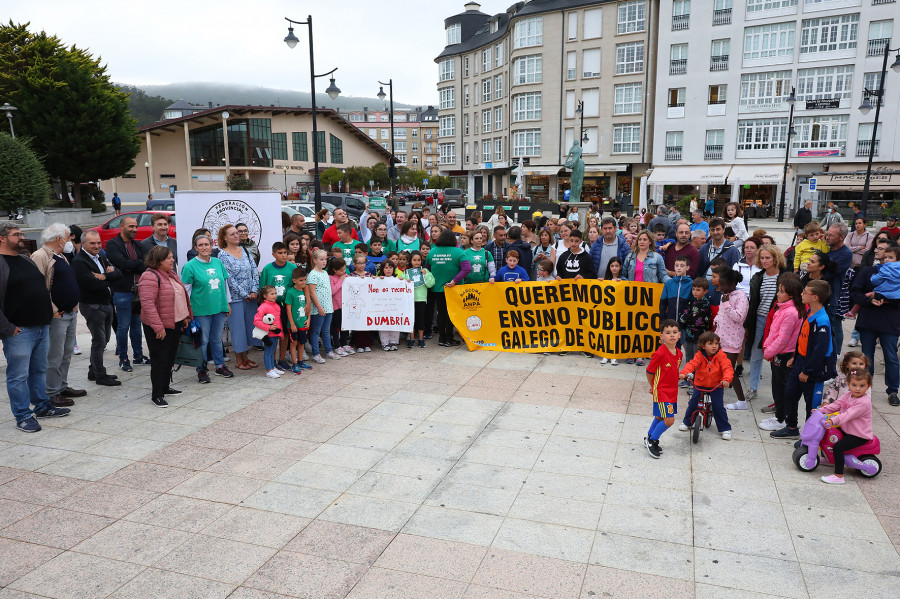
(812, 183)
(424, 181)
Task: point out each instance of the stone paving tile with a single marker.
(821, 581)
(643, 555)
(531, 574)
(454, 525)
(111, 501)
(85, 466)
(150, 477)
(133, 542)
(161, 583)
(547, 540)
(750, 573)
(223, 560)
(618, 584)
(181, 513)
(18, 558)
(432, 557)
(214, 486)
(371, 512)
(53, 527)
(346, 542)
(391, 584)
(291, 499)
(45, 489)
(184, 455)
(76, 576)
(257, 527)
(308, 576)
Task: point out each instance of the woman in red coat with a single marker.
(165, 309)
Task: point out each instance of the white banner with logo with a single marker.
(259, 210)
(377, 304)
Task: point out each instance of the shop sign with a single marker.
(823, 103)
(536, 187)
(819, 153)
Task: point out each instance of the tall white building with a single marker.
(725, 69)
(510, 85)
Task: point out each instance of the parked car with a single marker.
(432, 197)
(354, 205)
(163, 204)
(113, 226)
(309, 220)
(453, 198)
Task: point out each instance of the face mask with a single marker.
(70, 247)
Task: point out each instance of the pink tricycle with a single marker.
(818, 439)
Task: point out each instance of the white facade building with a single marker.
(725, 69)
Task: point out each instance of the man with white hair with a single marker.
(63, 288)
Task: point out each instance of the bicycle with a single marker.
(702, 416)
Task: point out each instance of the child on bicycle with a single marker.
(712, 372)
(662, 374)
(855, 419)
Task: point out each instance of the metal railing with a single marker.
(718, 63)
(680, 22)
(722, 16)
(678, 66)
(863, 146)
(673, 152)
(876, 47)
(874, 2)
(713, 153)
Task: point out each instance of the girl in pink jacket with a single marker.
(779, 342)
(854, 417)
(269, 307)
(730, 324)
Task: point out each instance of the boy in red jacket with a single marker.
(711, 368)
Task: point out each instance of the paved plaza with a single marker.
(434, 473)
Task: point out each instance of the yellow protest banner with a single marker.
(609, 319)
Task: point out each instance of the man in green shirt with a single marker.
(346, 244)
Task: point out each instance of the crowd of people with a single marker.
(733, 295)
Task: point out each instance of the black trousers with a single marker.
(445, 326)
(421, 314)
(339, 338)
(162, 358)
(846, 443)
(99, 320)
(780, 373)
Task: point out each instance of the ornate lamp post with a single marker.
(866, 107)
(792, 99)
(392, 170)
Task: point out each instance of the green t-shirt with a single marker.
(348, 251)
(444, 264)
(295, 300)
(479, 261)
(207, 281)
(398, 246)
(278, 277)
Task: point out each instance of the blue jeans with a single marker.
(128, 324)
(889, 349)
(720, 415)
(269, 354)
(212, 326)
(26, 370)
(837, 332)
(240, 322)
(756, 358)
(320, 326)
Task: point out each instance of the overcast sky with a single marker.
(143, 41)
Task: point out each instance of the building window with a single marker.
(570, 65)
(298, 141)
(872, 82)
(414, 133)
(718, 58)
(373, 133)
(466, 66)
(320, 146)
(486, 151)
(400, 132)
(715, 144)
(371, 118)
(465, 95)
(674, 144)
(629, 58)
(498, 55)
(815, 132)
(337, 149)
(355, 118)
(678, 54)
(527, 142)
(762, 134)
(528, 69)
(385, 133)
(573, 26)
(591, 61)
(593, 23)
(399, 146)
(681, 15)
(722, 12)
(631, 16)
(446, 70)
(627, 138)
(754, 6)
(485, 60)
(415, 146)
(717, 94)
(825, 83)
(454, 34)
(880, 33)
(768, 41)
(386, 146)
(447, 98)
(466, 151)
(591, 99)
(628, 98)
(498, 87)
(415, 160)
(447, 153)
(529, 32)
(384, 118)
(527, 107)
(486, 120)
(465, 124)
(475, 122)
(765, 89)
(279, 146)
(498, 149)
(498, 118)
(829, 33)
(676, 97)
(448, 126)
(486, 90)
(864, 140)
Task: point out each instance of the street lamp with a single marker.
(332, 91)
(149, 190)
(9, 110)
(392, 171)
(792, 99)
(866, 107)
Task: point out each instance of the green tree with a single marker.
(23, 181)
(77, 119)
(145, 109)
(330, 176)
(358, 177)
(380, 175)
(238, 183)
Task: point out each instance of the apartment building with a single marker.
(725, 72)
(510, 85)
(415, 134)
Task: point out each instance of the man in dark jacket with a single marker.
(662, 218)
(524, 249)
(803, 216)
(716, 247)
(128, 257)
(878, 320)
(161, 224)
(95, 275)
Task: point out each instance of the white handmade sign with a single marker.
(377, 304)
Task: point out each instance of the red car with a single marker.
(111, 228)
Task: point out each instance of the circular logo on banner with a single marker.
(232, 212)
(473, 323)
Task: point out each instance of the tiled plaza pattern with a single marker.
(427, 474)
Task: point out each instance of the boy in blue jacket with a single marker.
(814, 359)
(676, 291)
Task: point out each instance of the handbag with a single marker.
(188, 354)
(136, 295)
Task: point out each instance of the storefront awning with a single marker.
(756, 174)
(689, 175)
(605, 168)
(541, 170)
(852, 177)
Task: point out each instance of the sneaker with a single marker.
(339, 352)
(125, 365)
(159, 402)
(410, 344)
(740, 405)
(785, 433)
(304, 365)
(52, 412)
(360, 350)
(394, 347)
(223, 371)
(563, 353)
(347, 349)
(171, 391)
(893, 399)
(769, 409)
(833, 479)
(454, 342)
(604, 360)
(279, 371)
(333, 355)
(367, 349)
(385, 348)
(613, 362)
(428, 335)
(202, 376)
(629, 361)
(684, 385)
(683, 427)
(751, 394)
(587, 354)
(853, 342)
(639, 362)
(726, 435)
(283, 365)
(77, 350)
(273, 374)
(771, 424)
(144, 360)
(29, 425)
(318, 359)
(653, 448)
(421, 343)
(296, 368)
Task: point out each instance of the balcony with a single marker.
(863, 146)
(673, 152)
(876, 2)
(722, 16)
(715, 108)
(675, 111)
(718, 63)
(876, 47)
(873, 98)
(681, 22)
(713, 153)
(678, 66)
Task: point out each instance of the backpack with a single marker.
(844, 304)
